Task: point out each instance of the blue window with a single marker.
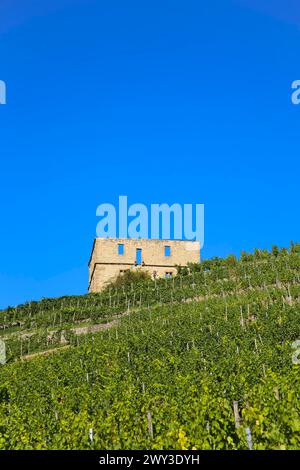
(120, 249)
(138, 259)
(167, 250)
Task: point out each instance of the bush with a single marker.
(130, 277)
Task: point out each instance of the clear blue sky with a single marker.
(163, 101)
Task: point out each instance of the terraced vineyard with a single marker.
(206, 360)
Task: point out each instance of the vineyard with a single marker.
(205, 360)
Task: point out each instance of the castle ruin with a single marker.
(113, 256)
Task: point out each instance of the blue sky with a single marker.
(162, 101)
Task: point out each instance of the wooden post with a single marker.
(150, 424)
(242, 318)
(249, 438)
(237, 418)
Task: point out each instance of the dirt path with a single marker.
(28, 357)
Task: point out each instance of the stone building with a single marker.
(112, 256)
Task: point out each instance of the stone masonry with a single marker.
(112, 256)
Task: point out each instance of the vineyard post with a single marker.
(249, 438)
(242, 317)
(91, 435)
(150, 424)
(237, 418)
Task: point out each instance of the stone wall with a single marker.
(105, 262)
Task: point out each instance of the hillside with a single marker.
(200, 361)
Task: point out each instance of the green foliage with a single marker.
(294, 247)
(183, 350)
(182, 270)
(128, 279)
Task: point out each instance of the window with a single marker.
(138, 259)
(120, 249)
(167, 250)
(169, 274)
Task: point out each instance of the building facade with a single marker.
(113, 256)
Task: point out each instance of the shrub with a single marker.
(130, 277)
